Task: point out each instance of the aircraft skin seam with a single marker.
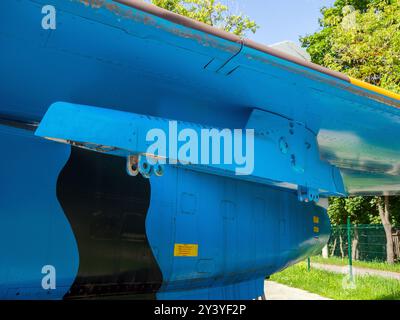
(190, 23)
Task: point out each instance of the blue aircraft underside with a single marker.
(243, 231)
(34, 229)
(76, 102)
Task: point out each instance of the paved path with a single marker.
(357, 271)
(277, 291)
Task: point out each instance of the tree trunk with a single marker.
(341, 246)
(333, 247)
(354, 248)
(384, 213)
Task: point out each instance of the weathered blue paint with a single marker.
(245, 232)
(107, 54)
(113, 56)
(34, 231)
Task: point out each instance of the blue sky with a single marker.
(282, 19)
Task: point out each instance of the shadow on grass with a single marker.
(395, 296)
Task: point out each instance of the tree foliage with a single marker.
(211, 12)
(361, 210)
(360, 38)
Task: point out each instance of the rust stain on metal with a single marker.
(208, 36)
(203, 39)
(221, 34)
(373, 96)
(141, 17)
(86, 2)
(344, 85)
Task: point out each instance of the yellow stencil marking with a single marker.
(186, 250)
(316, 219)
(316, 229)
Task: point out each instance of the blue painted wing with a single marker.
(134, 58)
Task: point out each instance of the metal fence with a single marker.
(367, 242)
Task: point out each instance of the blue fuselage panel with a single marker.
(78, 211)
(34, 231)
(244, 232)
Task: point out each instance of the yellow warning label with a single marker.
(316, 229)
(316, 219)
(186, 250)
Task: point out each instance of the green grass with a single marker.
(362, 264)
(330, 285)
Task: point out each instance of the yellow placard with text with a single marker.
(186, 250)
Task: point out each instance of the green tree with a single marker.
(211, 12)
(362, 39)
(337, 211)
(361, 211)
(337, 214)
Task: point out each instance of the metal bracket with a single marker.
(136, 164)
(305, 194)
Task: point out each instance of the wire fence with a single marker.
(367, 242)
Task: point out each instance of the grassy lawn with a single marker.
(362, 264)
(330, 284)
